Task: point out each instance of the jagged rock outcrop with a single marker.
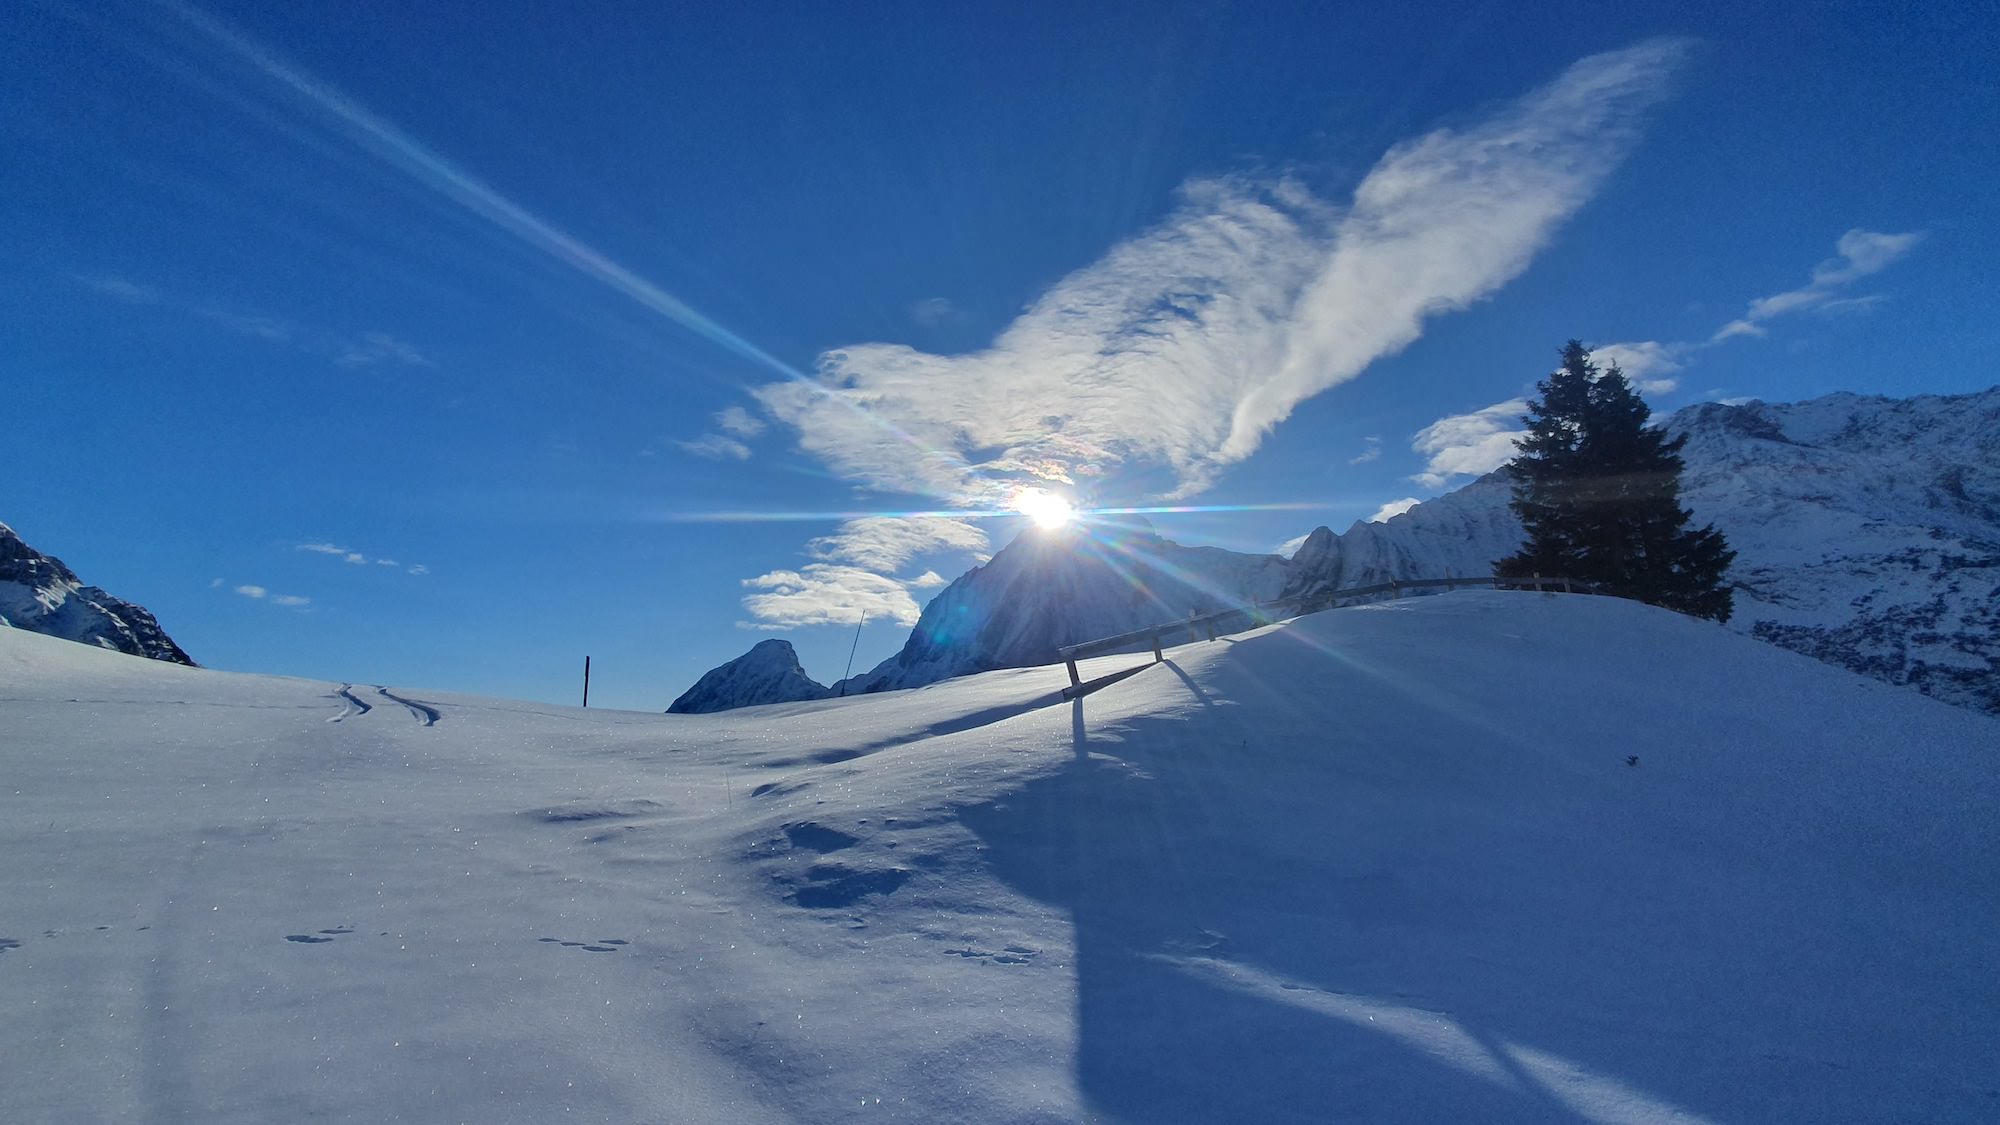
(769, 673)
(38, 593)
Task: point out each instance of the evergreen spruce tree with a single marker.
(1599, 494)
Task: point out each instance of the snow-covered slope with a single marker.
(1047, 589)
(1867, 532)
(769, 673)
(1379, 864)
(39, 593)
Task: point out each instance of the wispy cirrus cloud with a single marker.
(1173, 356)
(1858, 254)
(715, 447)
(358, 558)
(1371, 451)
(343, 349)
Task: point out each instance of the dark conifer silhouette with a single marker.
(1599, 494)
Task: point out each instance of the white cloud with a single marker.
(290, 600)
(1469, 444)
(715, 447)
(1858, 254)
(352, 557)
(1393, 509)
(885, 543)
(1291, 546)
(826, 594)
(738, 422)
(1175, 353)
(1646, 363)
(853, 574)
(1371, 452)
(252, 591)
(259, 593)
(419, 570)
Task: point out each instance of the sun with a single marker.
(1048, 510)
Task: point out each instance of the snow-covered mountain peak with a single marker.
(769, 673)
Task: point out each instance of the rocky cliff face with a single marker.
(38, 593)
(1867, 532)
(769, 673)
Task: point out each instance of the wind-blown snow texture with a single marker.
(39, 593)
(1867, 532)
(1387, 863)
(769, 673)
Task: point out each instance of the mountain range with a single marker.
(1867, 532)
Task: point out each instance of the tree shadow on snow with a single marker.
(1338, 923)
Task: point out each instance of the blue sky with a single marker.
(445, 344)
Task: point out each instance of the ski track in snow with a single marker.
(423, 711)
(354, 708)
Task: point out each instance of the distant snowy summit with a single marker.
(1867, 532)
(38, 593)
(769, 673)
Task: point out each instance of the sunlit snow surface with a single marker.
(1387, 863)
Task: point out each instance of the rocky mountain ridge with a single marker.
(38, 593)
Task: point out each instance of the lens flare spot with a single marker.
(1048, 510)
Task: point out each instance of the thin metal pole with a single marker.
(586, 681)
(850, 652)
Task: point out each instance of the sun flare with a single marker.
(1048, 510)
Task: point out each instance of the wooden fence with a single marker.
(1264, 613)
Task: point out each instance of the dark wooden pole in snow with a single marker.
(586, 681)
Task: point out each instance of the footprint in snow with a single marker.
(320, 938)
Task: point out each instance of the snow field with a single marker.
(1385, 863)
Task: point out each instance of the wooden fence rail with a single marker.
(1264, 613)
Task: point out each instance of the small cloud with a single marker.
(1291, 546)
(215, 583)
(825, 594)
(259, 593)
(1858, 254)
(252, 591)
(1645, 362)
(1373, 452)
(260, 327)
(1469, 444)
(738, 422)
(130, 292)
(928, 580)
(290, 600)
(885, 543)
(349, 556)
(1393, 509)
(715, 447)
(931, 310)
(378, 347)
(419, 570)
